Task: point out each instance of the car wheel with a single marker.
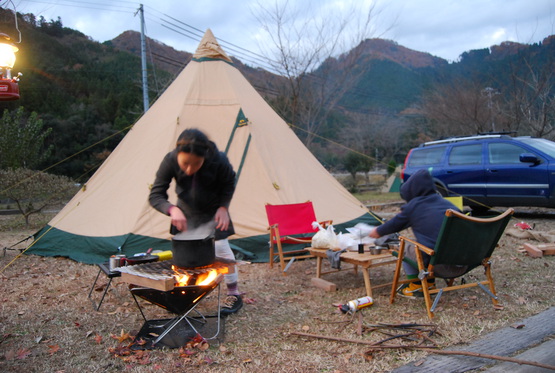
(479, 210)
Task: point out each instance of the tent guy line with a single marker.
(30, 245)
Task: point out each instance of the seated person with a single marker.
(424, 212)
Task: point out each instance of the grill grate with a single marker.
(164, 271)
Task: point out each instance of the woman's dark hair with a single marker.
(196, 142)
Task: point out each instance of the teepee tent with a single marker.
(111, 213)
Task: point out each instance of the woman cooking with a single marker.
(205, 183)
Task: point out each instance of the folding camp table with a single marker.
(365, 260)
(103, 268)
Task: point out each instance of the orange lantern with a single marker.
(9, 88)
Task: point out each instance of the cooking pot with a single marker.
(141, 259)
(376, 250)
(193, 253)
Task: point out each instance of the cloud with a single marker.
(444, 28)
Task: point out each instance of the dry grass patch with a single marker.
(47, 324)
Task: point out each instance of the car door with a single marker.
(512, 182)
(464, 171)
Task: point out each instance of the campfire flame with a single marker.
(197, 279)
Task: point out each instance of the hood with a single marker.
(418, 184)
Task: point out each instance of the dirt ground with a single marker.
(47, 322)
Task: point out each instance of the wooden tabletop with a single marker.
(354, 256)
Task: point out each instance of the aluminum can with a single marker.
(357, 304)
(114, 262)
(117, 261)
(121, 260)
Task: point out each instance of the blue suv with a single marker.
(489, 170)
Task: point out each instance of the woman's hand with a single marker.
(374, 233)
(178, 218)
(222, 219)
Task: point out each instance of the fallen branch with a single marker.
(376, 345)
(338, 339)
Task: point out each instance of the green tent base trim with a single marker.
(258, 245)
(50, 241)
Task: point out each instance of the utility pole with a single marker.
(490, 92)
(143, 59)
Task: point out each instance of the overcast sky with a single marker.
(443, 28)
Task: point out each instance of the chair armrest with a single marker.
(297, 239)
(419, 246)
(325, 223)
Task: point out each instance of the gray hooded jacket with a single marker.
(424, 210)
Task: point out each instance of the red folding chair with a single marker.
(291, 224)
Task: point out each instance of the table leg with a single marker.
(367, 284)
(318, 267)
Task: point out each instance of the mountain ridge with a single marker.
(90, 93)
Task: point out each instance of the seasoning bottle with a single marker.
(361, 248)
(357, 304)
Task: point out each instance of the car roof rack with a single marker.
(479, 136)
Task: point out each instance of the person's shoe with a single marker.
(412, 290)
(232, 304)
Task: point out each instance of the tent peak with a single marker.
(209, 48)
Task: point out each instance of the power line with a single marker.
(92, 5)
(179, 32)
(221, 40)
(165, 21)
(182, 28)
(168, 60)
(196, 37)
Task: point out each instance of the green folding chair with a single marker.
(464, 243)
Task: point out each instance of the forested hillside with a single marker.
(85, 91)
(89, 93)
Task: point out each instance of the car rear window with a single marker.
(466, 154)
(426, 156)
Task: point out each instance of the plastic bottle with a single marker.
(357, 304)
(163, 255)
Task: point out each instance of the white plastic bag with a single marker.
(325, 238)
(361, 230)
(360, 234)
(346, 241)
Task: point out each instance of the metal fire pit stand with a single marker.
(169, 325)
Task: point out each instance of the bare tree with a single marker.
(379, 137)
(33, 191)
(531, 104)
(306, 46)
(463, 107)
